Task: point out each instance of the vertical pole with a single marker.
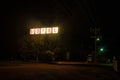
(67, 56)
(37, 57)
(95, 47)
(95, 31)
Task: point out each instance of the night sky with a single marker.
(74, 16)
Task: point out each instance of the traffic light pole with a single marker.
(95, 31)
(95, 53)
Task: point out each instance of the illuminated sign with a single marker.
(37, 31)
(55, 30)
(43, 30)
(49, 30)
(32, 31)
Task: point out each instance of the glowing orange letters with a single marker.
(49, 30)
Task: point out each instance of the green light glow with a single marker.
(98, 39)
(101, 49)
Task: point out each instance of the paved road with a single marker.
(56, 72)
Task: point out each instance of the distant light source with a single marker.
(101, 49)
(98, 39)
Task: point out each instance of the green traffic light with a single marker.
(98, 39)
(101, 49)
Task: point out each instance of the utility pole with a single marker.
(96, 38)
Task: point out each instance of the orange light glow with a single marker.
(37, 30)
(49, 30)
(43, 30)
(31, 31)
(55, 30)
